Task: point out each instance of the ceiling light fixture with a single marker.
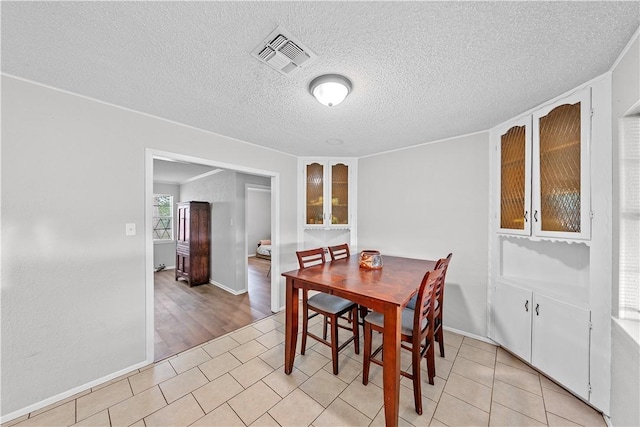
(330, 89)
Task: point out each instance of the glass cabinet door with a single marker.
(314, 194)
(560, 169)
(339, 194)
(326, 193)
(514, 180)
(561, 136)
(515, 177)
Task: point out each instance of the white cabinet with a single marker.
(551, 335)
(327, 209)
(560, 342)
(328, 189)
(512, 319)
(550, 239)
(544, 187)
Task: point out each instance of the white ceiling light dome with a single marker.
(330, 89)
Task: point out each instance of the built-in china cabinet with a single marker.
(540, 287)
(327, 190)
(545, 171)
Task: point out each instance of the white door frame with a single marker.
(148, 191)
(247, 188)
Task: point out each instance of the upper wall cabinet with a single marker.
(327, 193)
(544, 171)
(514, 149)
(561, 190)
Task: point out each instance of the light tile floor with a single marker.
(238, 380)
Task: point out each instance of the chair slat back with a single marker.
(426, 300)
(339, 251)
(310, 257)
(443, 263)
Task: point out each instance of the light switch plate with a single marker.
(130, 229)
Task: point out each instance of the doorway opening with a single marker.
(179, 316)
(258, 242)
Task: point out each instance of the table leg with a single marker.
(291, 326)
(391, 363)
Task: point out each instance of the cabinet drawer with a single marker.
(183, 264)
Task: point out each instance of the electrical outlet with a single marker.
(130, 229)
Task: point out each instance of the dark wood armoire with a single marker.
(193, 242)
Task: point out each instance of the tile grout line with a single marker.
(544, 403)
(338, 395)
(520, 412)
(270, 408)
(493, 384)
(199, 405)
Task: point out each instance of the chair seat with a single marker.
(329, 303)
(407, 321)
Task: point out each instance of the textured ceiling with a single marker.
(421, 71)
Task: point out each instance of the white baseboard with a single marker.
(470, 335)
(225, 288)
(61, 396)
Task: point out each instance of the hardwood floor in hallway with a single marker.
(186, 317)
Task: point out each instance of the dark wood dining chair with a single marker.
(416, 335)
(342, 251)
(339, 251)
(438, 309)
(331, 307)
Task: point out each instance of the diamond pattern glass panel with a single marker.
(339, 194)
(162, 217)
(560, 169)
(315, 188)
(512, 178)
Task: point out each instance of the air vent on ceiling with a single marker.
(283, 53)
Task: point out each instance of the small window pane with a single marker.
(162, 217)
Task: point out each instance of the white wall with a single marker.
(625, 351)
(219, 190)
(240, 248)
(427, 201)
(73, 285)
(164, 252)
(258, 218)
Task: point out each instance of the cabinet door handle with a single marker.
(537, 309)
(526, 214)
(526, 305)
(535, 215)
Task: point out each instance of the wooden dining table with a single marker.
(386, 290)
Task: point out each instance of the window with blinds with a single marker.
(629, 274)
